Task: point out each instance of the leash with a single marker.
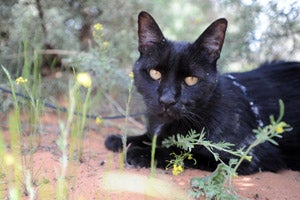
(63, 109)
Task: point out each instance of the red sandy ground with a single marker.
(99, 176)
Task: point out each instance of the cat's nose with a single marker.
(167, 100)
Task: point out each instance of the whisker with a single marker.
(195, 120)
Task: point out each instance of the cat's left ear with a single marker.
(212, 39)
(148, 31)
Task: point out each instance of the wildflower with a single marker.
(105, 44)
(131, 75)
(98, 27)
(249, 158)
(177, 169)
(280, 127)
(190, 157)
(84, 79)
(9, 159)
(98, 120)
(21, 80)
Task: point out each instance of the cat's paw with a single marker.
(139, 157)
(114, 143)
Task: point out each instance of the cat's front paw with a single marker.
(139, 157)
(114, 143)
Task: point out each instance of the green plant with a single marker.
(16, 105)
(22, 173)
(153, 148)
(218, 185)
(76, 142)
(192, 139)
(15, 176)
(20, 169)
(110, 84)
(31, 85)
(188, 142)
(82, 97)
(178, 162)
(127, 112)
(62, 142)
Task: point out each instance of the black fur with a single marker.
(229, 106)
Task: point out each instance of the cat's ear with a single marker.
(148, 31)
(212, 39)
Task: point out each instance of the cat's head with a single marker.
(176, 78)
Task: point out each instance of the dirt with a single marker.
(100, 175)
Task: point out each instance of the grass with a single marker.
(127, 112)
(18, 178)
(18, 169)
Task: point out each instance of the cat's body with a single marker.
(183, 91)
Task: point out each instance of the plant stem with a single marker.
(127, 111)
(61, 190)
(82, 123)
(17, 110)
(254, 144)
(153, 148)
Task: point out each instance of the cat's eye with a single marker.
(191, 80)
(156, 75)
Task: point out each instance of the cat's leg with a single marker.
(115, 144)
(141, 156)
(138, 153)
(139, 150)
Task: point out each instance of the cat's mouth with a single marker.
(169, 115)
(165, 115)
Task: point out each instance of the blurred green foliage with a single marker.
(253, 26)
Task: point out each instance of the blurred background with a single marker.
(59, 37)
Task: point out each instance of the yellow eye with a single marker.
(156, 75)
(191, 80)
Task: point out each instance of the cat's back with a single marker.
(263, 87)
(269, 83)
(277, 77)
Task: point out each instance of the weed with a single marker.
(35, 108)
(72, 130)
(82, 79)
(19, 171)
(178, 162)
(127, 112)
(218, 185)
(153, 147)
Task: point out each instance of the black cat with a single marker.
(183, 90)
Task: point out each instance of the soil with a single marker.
(100, 175)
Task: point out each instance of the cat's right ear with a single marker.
(148, 31)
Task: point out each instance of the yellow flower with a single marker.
(131, 75)
(21, 80)
(98, 27)
(177, 169)
(280, 127)
(190, 157)
(9, 160)
(84, 79)
(249, 158)
(105, 44)
(98, 120)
